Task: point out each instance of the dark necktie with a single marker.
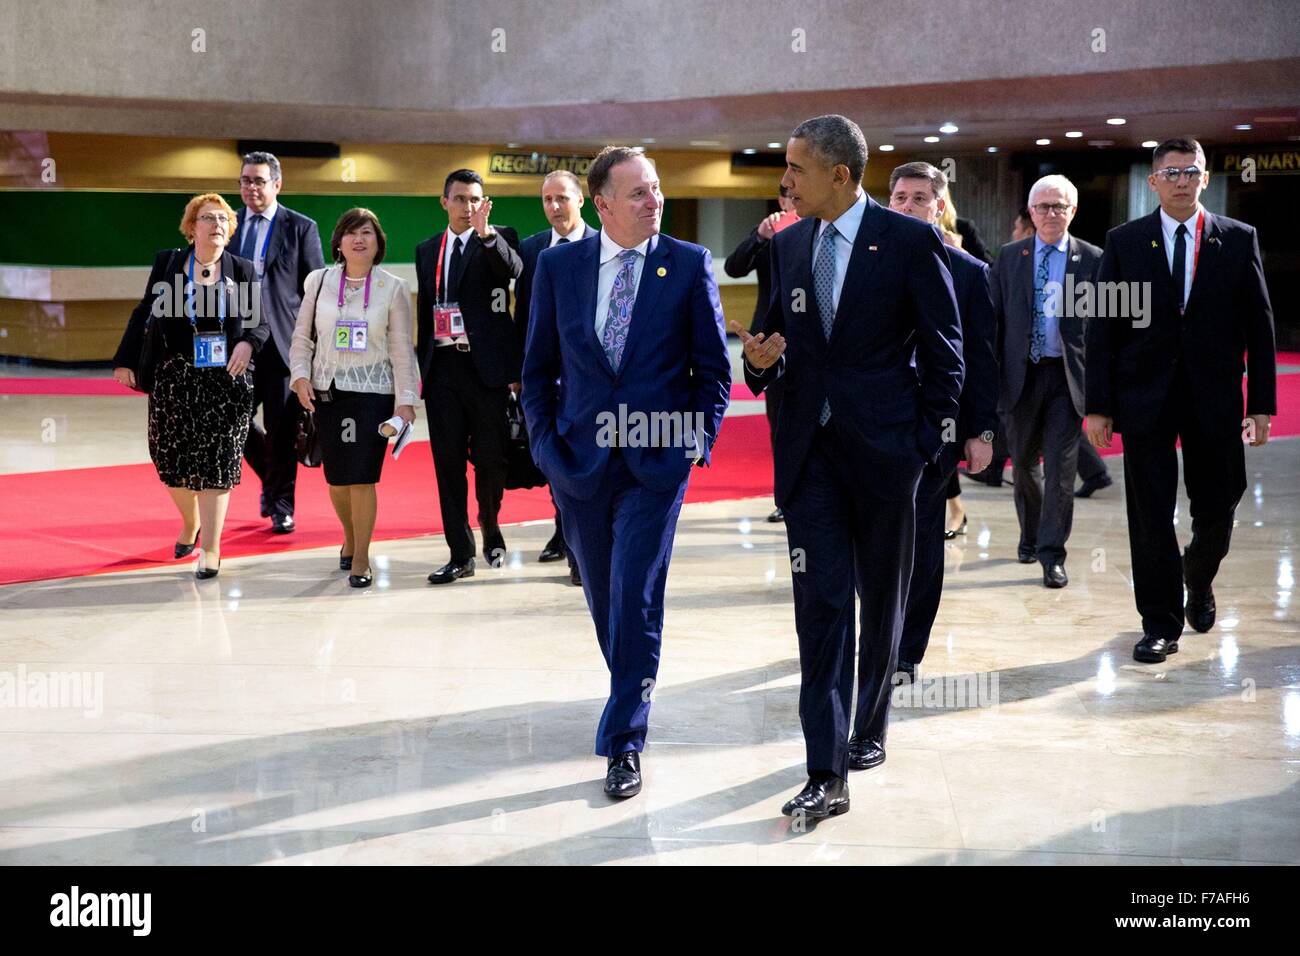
(248, 248)
(561, 239)
(453, 272)
(1179, 268)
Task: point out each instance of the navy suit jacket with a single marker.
(293, 252)
(1132, 371)
(979, 392)
(529, 250)
(897, 300)
(675, 361)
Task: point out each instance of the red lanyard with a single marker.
(343, 278)
(1196, 254)
(437, 273)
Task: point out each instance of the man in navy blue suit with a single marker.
(856, 290)
(626, 378)
(562, 202)
(920, 190)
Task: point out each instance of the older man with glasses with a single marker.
(1040, 349)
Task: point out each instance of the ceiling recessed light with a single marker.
(948, 128)
(1242, 126)
(773, 145)
(885, 147)
(749, 150)
(1074, 134)
(993, 149)
(1116, 121)
(1149, 144)
(932, 139)
(1042, 142)
(705, 142)
(512, 145)
(648, 139)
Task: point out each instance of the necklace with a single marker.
(207, 267)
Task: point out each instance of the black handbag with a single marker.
(521, 470)
(307, 443)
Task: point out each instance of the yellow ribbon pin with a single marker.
(661, 272)
(1154, 244)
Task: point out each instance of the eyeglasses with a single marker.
(1172, 174)
(213, 218)
(1052, 208)
(259, 182)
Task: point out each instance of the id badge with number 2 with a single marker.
(350, 335)
(447, 321)
(210, 351)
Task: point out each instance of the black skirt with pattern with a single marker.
(198, 422)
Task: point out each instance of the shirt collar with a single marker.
(572, 237)
(609, 249)
(268, 213)
(1169, 224)
(850, 220)
(1060, 245)
(462, 236)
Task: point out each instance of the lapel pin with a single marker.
(1074, 258)
(1024, 252)
(872, 248)
(1214, 240)
(661, 272)
(1154, 244)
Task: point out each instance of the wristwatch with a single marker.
(986, 436)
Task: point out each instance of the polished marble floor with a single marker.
(273, 715)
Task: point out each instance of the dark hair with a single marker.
(1179, 144)
(355, 219)
(262, 158)
(460, 176)
(920, 170)
(604, 163)
(837, 140)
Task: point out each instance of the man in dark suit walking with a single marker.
(284, 246)
(1040, 348)
(469, 355)
(752, 256)
(562, 201)
(626, 379)
(857, 290)
(919, 190)
(1176, 376)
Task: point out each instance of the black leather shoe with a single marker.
(552, 552)
(282, 524)
(777, 516)
(345, 562)
(575, 578)
(1054, 576)
(1094, 484)
(203, 572)
(819, 799)
(906, 668)
(949, 534)
(1025, 555)
(452, 571)
(1153, 650)
(623, 775)
(1200, 609)
(185, 550)
(865, 754)
(360, 580)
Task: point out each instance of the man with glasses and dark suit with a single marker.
(1176, 377)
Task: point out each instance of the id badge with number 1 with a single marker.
(210, 351)
(447, 321)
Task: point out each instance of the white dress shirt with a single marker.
(572, 237)
(446, 294)
(846, 226)
(1169, 225)
(261, 221)
(609, 268)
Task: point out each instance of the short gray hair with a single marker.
(1055, 181)
(837, 140)
(259, 158)
(920, 170)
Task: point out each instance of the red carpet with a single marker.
(92, 520)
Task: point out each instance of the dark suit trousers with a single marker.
(467, 423)
(927, 563)
(1044, 422)
(844, 538)
(270, 449)
(772, 400)
(557, 539)
(1090, 463)
(622, 538)
(1214, 471)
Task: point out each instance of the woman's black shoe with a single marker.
(203, 573)
(345, 562)
(185, 550)
(360, 580)
(949, 535)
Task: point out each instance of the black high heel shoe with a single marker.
(949, 535)
(203, 573)
(360, 580)
(345, 561)
(185, 550)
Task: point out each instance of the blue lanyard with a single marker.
(191, 290)
(266, 241)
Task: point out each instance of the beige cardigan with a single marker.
(388, 365)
